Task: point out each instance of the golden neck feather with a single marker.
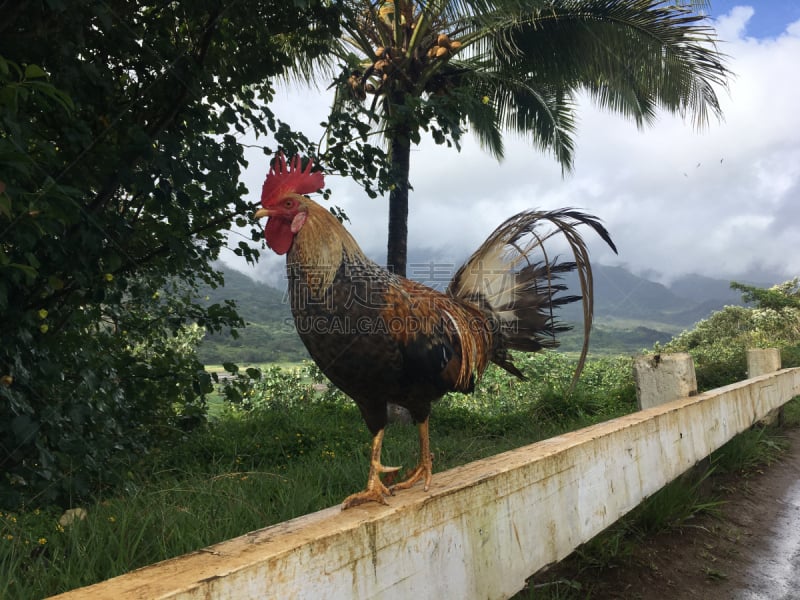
(320, 247)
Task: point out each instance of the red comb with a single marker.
(284, 179)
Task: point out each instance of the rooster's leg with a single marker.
(425, 466)
(375, 491)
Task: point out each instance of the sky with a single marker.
(722, 202)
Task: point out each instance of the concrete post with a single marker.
(762, 361)
(662, 378)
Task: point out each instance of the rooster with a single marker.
(386, 340)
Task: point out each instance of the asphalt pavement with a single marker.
(775, 572)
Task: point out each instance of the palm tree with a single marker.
(516, 65)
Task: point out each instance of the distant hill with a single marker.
(700, 289)
(631, 312)
(269, 335)
(621, 295)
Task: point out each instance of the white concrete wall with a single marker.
(482, 529)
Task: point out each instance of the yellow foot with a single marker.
(425, 466)
(373, 495)
(423, 469)
(375, 491)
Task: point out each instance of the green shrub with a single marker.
(117, 177)
(79, 405)
(719, 343)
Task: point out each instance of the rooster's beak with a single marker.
(262, 212)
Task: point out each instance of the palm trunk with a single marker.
(397, 248)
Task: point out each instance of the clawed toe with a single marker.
(423, 470)
(373, 495)
(376, 490)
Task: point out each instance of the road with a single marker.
(774, 569)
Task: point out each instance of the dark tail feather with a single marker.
(522, 294)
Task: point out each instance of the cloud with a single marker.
(722, 202)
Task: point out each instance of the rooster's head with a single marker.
(283, 200)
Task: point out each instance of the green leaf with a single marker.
(29, 271)
(5, 205)
(138, 185)
(24, 427)
(8, 98)
(34, 72)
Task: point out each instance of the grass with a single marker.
(287, 365)
(241, 475)
(301, 449)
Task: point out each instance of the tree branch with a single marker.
(155, 129)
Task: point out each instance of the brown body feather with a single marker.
(385, 339)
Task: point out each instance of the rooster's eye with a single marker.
(288, 203)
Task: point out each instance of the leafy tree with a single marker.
(784, 295)
(119, 170)
(718, 343)
(445, 66)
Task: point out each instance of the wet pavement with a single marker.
(775, 572)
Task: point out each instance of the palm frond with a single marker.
(632, 56)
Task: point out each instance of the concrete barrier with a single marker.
(482, 529)
(761, 361)
(662, 378)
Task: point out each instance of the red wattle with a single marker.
(278, 234)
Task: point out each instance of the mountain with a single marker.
(699, 289)
(269, 335)
(622, 295)
(631, 312)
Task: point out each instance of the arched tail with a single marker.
(512, 278)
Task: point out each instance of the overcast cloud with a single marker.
(721, 202)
